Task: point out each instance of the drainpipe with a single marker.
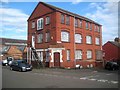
(74, 44)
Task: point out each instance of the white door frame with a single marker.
(33, 41)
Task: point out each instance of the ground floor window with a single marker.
(68, 55)
(40, 55)
(89, 54)
(78, 54)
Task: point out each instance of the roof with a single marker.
(8, 41)
(115, 43)
(64, 11)
(4, 49)
(21, 48)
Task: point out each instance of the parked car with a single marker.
(4, 62)
(9, 59)
(20, 65)
(112, 65)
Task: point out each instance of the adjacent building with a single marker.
(111, 50)
(62, 38)
(13, 48)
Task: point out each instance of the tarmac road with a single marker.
(59, 78)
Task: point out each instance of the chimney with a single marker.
(117, 39)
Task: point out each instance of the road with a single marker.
(59, 78)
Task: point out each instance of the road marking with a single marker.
(90, 78)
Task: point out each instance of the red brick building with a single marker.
(15, 48)
(62, 38)
(112, 50)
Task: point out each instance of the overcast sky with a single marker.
(14, 15)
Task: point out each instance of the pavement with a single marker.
(60, 78)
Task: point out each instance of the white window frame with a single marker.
(78, 38)
(89, 54)
(33, 24)
(97, 41)
(40, 38)
(78, 54)
(40, 23)
(47, 20)
(68, 54)
(89, 39)
(65, 36)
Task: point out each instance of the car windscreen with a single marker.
(22, 63)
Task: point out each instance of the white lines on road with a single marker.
(99, 80)
(90, 78)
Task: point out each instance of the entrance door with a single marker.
(33, 41)
(56, 59)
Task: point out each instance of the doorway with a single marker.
(56, 59)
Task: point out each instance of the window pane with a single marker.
(76, 22)
(65, 36)
(47, 20)
(90, 26)
(89, 54)
(33, 24)
(78, 38)
(40, 38)
(62, 18)
(68, 54)
(86, 25)
(47, 37)
(88, 39)
(40, 24)
(80, 23)
(78, 54)
(97, 40)
(67, 20)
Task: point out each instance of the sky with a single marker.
(14, 15)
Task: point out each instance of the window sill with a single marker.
(65, 42)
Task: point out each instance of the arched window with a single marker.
(78, 38)
(88, 39)
(65, 36)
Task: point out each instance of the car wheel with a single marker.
(20, 70)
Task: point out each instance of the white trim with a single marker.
(53, 50)
(41, 50)
(56, 48)
(16, 44)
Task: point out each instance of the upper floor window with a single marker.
(76, 22)
(88, 39)
(87, 25)
(40, 38)
(62, 18)
(98, 28)
(47, 37)
(97, 41)
(33, 24)
(40, 23)
(47, 20)
(78, 38)
(67, 20)
(95, 27)
(68, 55)
(89, 54)
(78, 54)
(80, 23)
(90, 26)
(65, 36)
